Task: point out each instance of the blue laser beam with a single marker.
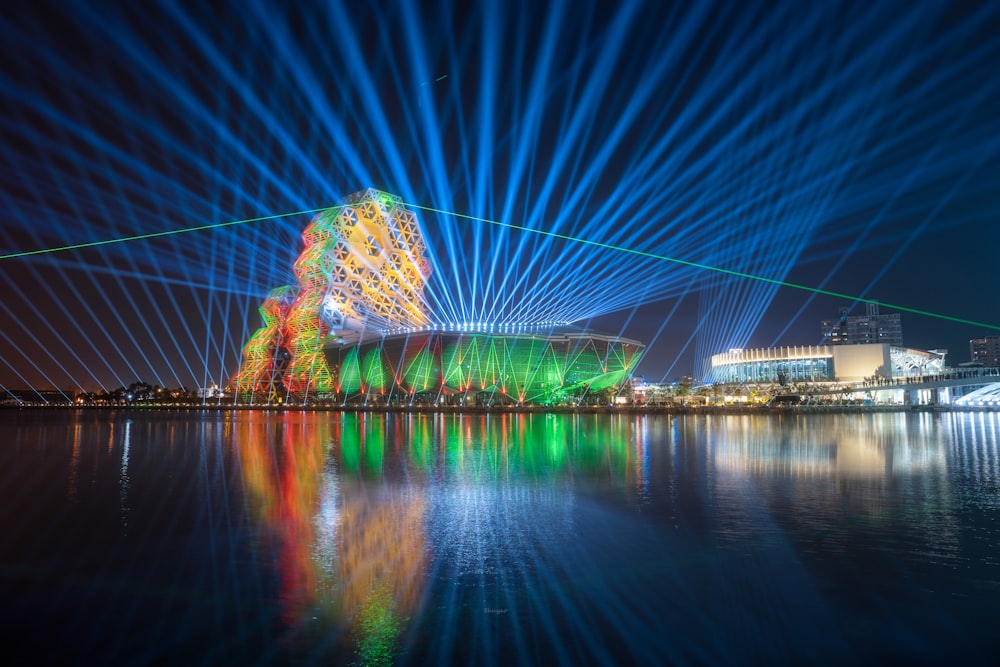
(713, 133)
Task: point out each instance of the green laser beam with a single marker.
(707, 267)
(542, 232)
(170, 232)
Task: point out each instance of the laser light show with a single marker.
(362, 267)
(695, 177)
(499, 332)
(361, 277)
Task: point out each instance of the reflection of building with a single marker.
(985, 351)
(357, 325)
(380, 543)
(355, 509)
(824, 363)
(342, 548)
(869, 328)
(829, 446)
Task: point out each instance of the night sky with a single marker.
(849, 147)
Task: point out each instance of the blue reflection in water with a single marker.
(326, 538)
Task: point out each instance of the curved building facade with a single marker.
(485, 367)
(988, 396)
(356, 326)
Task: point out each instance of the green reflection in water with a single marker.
(374, 446)
(350, 443)
(421, 443)
(362, 441)
(345, 498)
(379, 628)
(491, 448)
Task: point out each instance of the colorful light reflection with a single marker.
(354, 550)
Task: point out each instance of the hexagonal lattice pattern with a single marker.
(363, 268)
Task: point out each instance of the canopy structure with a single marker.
(982, 397)
(564, 365)
(357, 326)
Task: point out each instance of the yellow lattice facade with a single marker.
(362, 271)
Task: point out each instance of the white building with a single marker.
(824, 363)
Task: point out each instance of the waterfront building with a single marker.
(356, 326)
(483, 365)
(37, 397)
(825, 363)
(985, 351)
(987, 396)
(872, 327)
(210, 392)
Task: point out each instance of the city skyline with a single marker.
(843, 148)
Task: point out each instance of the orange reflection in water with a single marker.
(342, 542)
(380, 543)
(342, 496)
(281, 463)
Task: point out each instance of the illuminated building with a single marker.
(467, 365)
(872, 327)
(985, 351)
(986, 396)
(824, 363)
(356, 327)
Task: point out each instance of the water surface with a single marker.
(270, 538)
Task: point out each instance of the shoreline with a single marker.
(474, 410)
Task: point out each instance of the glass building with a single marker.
(824, 363)
(777, 364)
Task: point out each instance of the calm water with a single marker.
(295, 539)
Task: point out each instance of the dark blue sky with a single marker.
(852, 147)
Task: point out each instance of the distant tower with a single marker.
(872, 327)
(985, 351)
(835, 331)
(362, 270)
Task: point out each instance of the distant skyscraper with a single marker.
(863, 329)
(985, 351)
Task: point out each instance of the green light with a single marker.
(171, 232)
(565, 237)
(696, 265)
